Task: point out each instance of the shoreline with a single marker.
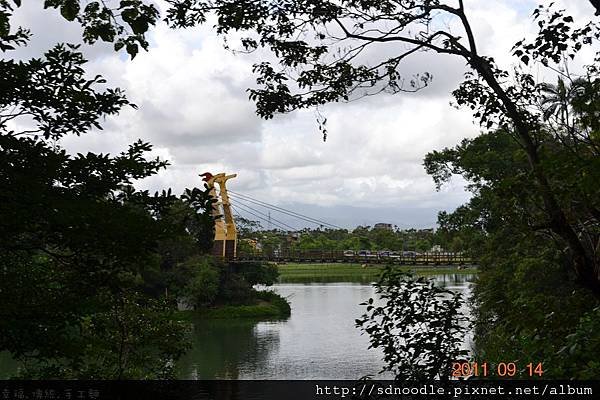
(305, 273)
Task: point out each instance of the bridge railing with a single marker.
(341, 256)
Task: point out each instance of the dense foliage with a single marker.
(360, 238)
(83, 255)
(91, 269)
(204, 282)
(419, 326)
(532, 299)
(529, 304)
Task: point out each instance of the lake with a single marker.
(318, 341)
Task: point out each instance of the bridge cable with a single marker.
(246, 202)
(269, 217)
(283, 210)
(238, 214)
(277, 222)
(262, 219)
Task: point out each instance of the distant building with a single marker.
(436, 249)
(382, 225)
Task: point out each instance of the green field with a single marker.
(300, 273)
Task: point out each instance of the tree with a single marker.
(75, 237)
(527, 303)
(247, 229)
(201, 284)
(124, 24)
(78, 243)
(318, 47)
(419, 326)
(557, 99)
(596, 5)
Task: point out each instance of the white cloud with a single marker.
(193, 107)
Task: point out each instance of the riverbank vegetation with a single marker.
(534, 216)
(82, 253)
(420, 328)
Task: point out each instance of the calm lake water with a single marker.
(318, 341)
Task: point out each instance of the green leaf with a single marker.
(4, 25)
(139, 25)
(132, 49)
(129, 14)
(70, 9)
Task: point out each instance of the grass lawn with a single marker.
(355, 272)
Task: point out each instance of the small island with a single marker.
(212, 288)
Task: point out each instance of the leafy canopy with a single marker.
(80, 246)
(419, 326)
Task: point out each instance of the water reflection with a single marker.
(318, 341)
(221, 349)
(8, 366)
(453, 279)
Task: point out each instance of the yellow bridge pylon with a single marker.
(225, 243)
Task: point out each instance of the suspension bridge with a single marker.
(230, 204)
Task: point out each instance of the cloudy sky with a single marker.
(194, 109)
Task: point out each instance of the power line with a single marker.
(283, 210)
(241, 200)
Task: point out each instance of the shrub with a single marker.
(419, 327)
(258, 273)
(273, 298)
(234, 290)
(203, 287)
